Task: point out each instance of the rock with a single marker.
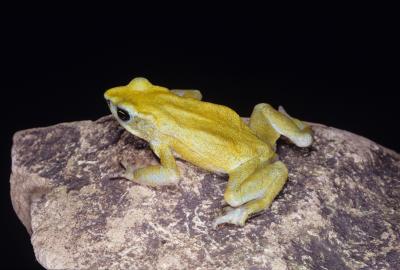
(339, 209)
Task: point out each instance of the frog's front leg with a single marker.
(253, 194)
(156, 175)
(195, 94)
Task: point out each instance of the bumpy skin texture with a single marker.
(211, 136)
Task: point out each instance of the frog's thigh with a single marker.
(195, 94)
(237, 176)
(269, 124)
(276, 178)
(257, 185)
(258, 190)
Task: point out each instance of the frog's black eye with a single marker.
(123, 114)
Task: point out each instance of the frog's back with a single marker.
(209, 135)
(191, 114)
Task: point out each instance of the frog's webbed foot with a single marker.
(127, 173)
(236, 216)
(128, 170)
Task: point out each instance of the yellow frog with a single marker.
(176, 123)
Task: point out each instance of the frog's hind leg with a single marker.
(269, 124)
(298, 123)
(253, 194)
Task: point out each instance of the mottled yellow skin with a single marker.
(176, 123)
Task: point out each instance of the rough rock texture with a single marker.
(339, 209)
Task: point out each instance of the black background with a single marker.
(323, 66)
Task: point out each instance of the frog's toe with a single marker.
(128, 170)
(236, 216)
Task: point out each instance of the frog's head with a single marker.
(123, 102)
